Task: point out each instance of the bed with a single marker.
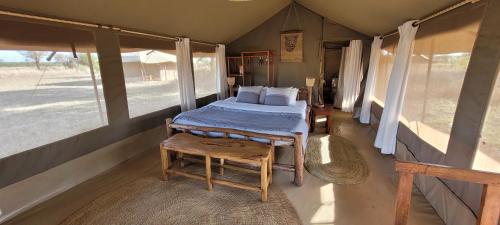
(276, 125)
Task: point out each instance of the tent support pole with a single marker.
(96, 92)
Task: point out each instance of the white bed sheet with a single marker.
(298, 108)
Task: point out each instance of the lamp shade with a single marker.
(231, 81)
(310, 81)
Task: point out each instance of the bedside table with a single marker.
(327, 111)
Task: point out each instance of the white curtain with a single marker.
(220, 60)
(340, 81)
(353, 75)
(388, 127)
(370, 80)
(357, 109)
(185, 74)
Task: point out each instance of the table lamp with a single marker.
(309, 84)
(230, 82)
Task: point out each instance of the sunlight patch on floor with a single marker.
(325, 150)
(325, 214)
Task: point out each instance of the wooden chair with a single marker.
(490, 201)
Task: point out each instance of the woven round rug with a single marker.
(181, 200)
(335, 159)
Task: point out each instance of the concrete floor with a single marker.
(372, 202)
(316, 202)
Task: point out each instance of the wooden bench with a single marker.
(296, 141)
(240, 151)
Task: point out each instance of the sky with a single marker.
(11, 56)
(16, 56)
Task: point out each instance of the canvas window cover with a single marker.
(50, 85)
(439, 61)
(150, 70)
(386, 61)
(205, 76)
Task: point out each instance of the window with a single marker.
(48, 92)
(438, 65)
(386, 61)
(150, 69)
(488, 154)
(204, 70)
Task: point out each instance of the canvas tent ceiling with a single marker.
(205, 20)
(222, 21)
(375, 17)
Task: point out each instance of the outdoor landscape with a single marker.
(43, 100)
(432, 92)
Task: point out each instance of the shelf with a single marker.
(235, 62)
(257, 53)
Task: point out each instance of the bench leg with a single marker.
(208, 170)
(180, 157)
(273, 153)
(165, 160)
(221, 169)
(263, 180)
(270, 169)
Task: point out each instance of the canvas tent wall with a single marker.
(107, 144)
(450, 113)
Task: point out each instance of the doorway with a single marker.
(332, 61)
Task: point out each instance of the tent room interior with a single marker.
(250, 112)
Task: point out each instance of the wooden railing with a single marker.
(490, 201)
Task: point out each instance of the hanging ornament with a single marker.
(292, 39)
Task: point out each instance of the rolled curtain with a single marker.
(340, 81)
(185, 74)
(388, 127)
(19, 34)
(370, 80)
(221, 75)
(352, 75)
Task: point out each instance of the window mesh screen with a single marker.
(204, 70)
(47, 91)
(150, 69)
(488, 154)
(439, 61)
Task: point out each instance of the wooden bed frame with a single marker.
(296, 141)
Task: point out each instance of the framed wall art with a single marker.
(292, 46)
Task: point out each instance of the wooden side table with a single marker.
(327, 111)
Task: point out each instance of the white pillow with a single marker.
(281, 96)
(262, 97)
(293, 96)
(249, 94)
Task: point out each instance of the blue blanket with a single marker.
(261, 122)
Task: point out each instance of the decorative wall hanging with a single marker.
(292, 40)
(291, 46)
